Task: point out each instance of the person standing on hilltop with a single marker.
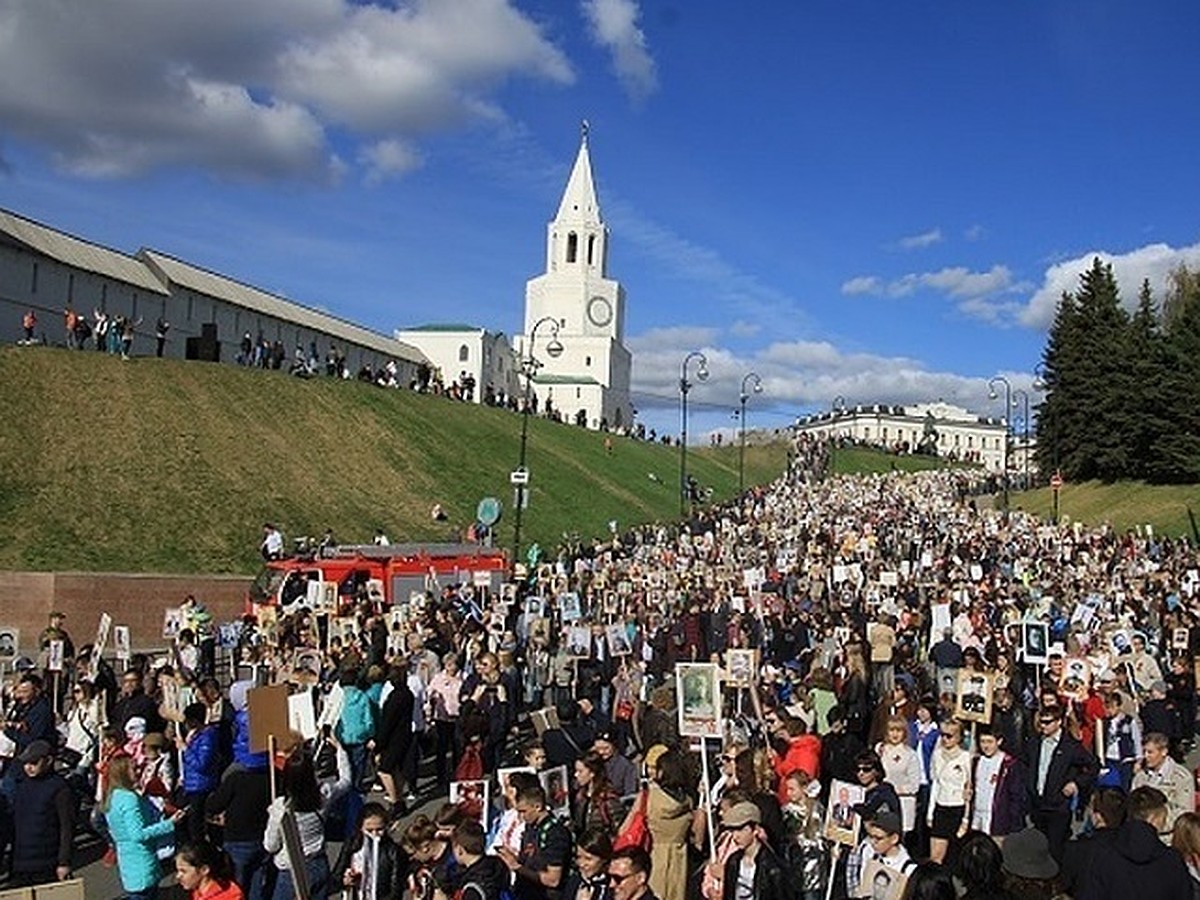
(272, 542)
(161, 327)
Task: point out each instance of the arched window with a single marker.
(572, 247)
(591, 249)
(464, 353)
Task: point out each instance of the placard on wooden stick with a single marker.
(268, 711)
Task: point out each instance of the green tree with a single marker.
(1147, 388)
(1176, 456)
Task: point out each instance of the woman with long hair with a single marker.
(673, 819)
(135, 826)
(854, 698)
(1186, 841)
(205, 872)
(300, 799)
(901, 767)
(83, 728)
(595, 804)
(589, 880)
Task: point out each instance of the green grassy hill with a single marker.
(1124, 505)
(166, 466)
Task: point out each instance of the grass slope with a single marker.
(862, 460)
(1124, 505)
(169, 466)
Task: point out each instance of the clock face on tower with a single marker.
(599, 311)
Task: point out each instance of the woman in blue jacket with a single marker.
(135, 827)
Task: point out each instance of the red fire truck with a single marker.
(335, 578)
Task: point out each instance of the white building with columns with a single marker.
(592, 372)
(955, 432)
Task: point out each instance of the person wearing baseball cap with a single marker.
(753, 869)
(42, 845)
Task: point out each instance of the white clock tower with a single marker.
(592, 372)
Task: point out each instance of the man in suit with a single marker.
(1060, 771)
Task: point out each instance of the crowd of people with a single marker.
(940, 702)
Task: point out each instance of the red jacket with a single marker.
(803, 755)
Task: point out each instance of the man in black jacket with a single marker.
(42, 845)
(1108, 814)
(1058, 769)
(1139, 864)
(770, 878)
(479, 877)
(136, 703)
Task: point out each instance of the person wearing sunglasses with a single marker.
(950, 791)
(1060, 769)
(629, 875)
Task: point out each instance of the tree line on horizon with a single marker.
(1122, 391)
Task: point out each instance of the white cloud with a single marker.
(389, 158)
(922, 240)
(958, 282)
(863, 284)
(1152, 262)
(961, 282)
(614, 26)
(255, 90)
(795, 374)
(975, 233)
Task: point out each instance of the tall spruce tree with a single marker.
(1103, 448)
(1177, 449)
(1055, 421)
(1148, 411)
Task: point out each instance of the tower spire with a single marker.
(579, 204)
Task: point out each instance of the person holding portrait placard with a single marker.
(882, 848)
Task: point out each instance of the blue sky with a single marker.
(878, 200)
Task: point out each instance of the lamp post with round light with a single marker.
(757, 388)
(529, 367)
(1024, 397)
(684, 386)
(1040, 385)
(992, 395)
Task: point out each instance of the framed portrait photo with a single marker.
(558, 790)
(1035, 644)
(618, 639)
(881, 882)
(471, 797)
(10, 643)
(697, 689)
(842, 823)
(973, 700)
(741, 666)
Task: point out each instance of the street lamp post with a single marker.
(1039, 385)
(1024, 436)
(758, 386)
(838, 407)
(1007, 407)
(529, 367)
(684, 387)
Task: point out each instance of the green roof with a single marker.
(440, 326)
(564, 379)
